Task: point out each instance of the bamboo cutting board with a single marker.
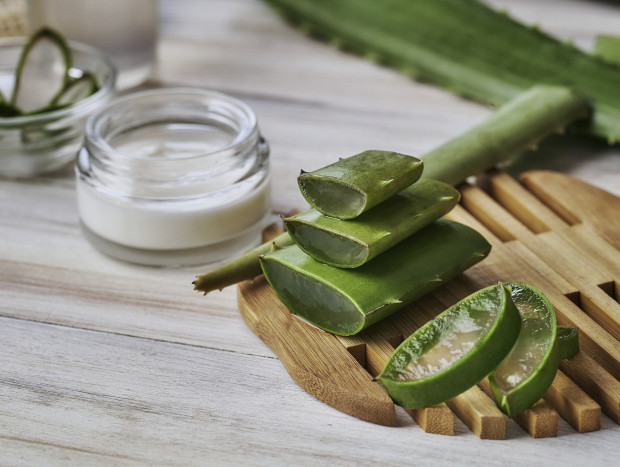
(549, 230)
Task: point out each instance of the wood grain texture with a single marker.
(315, 359)
(105, 363)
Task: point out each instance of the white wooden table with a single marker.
(103, 362)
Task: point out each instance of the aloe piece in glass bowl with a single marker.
(34, 141)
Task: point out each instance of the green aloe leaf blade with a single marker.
(463, 46)
(345, 301)
(349, 244)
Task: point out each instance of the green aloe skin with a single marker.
(519, 124)
(608, 48)
(345, 301)
(42, 79)
(349, 244)
(465, 47)
(49, 41)
(568, 341)
(353, 185)
(454, 351)
(526, 373)
(242, 268)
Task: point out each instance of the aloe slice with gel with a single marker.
(42, 71)
(454, 351)
(353, 185)
(345, 301)
(526, 373)
(349, 244)
(76, 90)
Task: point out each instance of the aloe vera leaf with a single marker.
(608, 48)
(519, 124)
(242, 268)
(349, 244)
(454, 351)
(568, 341)
(7, 110)
(345, 301)
(42, 71)
(75, 90)
(352, 185)
(443, 167)
(463, 46)
(526, 373)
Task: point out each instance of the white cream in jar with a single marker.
(174, 177)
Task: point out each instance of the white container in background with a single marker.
(174, 177)
(126, 30)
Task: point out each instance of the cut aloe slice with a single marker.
(524, 376)
(345, 301)
(347, 188)
(453, 352)
(350, 244)
(76, 90)
(42, 71)
(568, 341)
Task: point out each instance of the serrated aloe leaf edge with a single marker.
(465, 47)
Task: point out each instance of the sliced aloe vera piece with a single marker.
(42, 71)
(76, 90)
(568, 341)
(524, 376)
(353, 185)
(345, 301)
(351, 243)
(451, 353)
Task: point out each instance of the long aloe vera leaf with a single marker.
(562, 105)
(519, 124)
(345, 301)
(463, 46)
(351, 186)
(42, 71)
(349, 244)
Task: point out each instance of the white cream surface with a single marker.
(172, 224)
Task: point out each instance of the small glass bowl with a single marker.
(31, 145)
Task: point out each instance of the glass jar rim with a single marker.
(94, 126)
(83, 105)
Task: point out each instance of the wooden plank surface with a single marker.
(107, 363)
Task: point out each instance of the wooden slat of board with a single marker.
(316, 360)
(573, 404)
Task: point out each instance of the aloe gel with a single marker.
(454, 351)
(345, 301)
(353, 185)
(349, 244)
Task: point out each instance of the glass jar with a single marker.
(39, 143)
(174, 177)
